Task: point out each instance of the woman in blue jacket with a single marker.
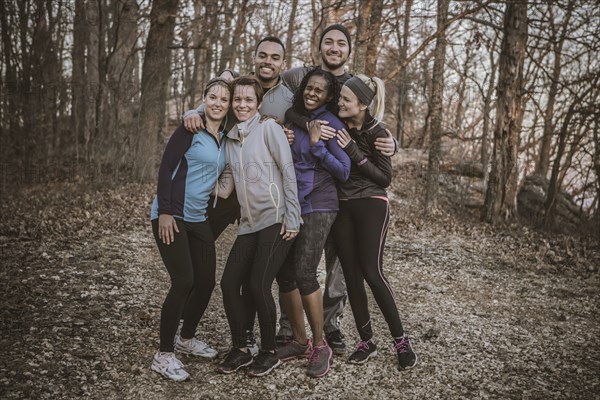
(318, 166)
(189, 170)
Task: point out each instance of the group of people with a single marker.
(300, 160)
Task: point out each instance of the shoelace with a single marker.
(362, 345)
(174, 361)
(314, 355)
(401, 346)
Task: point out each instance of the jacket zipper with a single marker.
(244, 179)
(217, 173)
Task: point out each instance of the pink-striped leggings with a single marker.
(359, 234)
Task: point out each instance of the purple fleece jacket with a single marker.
(318, 167)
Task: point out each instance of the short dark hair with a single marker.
(333, 90)
(249, 80)
(273, 39)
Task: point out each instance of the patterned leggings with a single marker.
(300, 267)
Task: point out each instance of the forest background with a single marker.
(505, 92)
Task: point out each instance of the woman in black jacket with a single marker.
(361, 226)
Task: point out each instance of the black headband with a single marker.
(217, 81)
(364, 93)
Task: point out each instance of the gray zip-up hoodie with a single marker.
(260, 166)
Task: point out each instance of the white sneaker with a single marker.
(195, 347)
(169, 366)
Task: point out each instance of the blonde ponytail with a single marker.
(377, 106)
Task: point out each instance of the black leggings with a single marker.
(225, 213)
(191, 262)
(255, 258)
(359, 233)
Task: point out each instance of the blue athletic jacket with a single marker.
(189, 170)
(318, 167)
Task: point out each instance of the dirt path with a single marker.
(493, 314)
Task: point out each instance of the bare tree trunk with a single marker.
(92, 76)
(199, 40)
(317, 28)
(290, 33)
(554, 184)
(224, 39)
(361, 44)
(78, 99)
(155, 78)
(121, 69)
(404, 85)
(459, 113)
(487, 103)
(437, 90)
(374, 32)
(500, 200)
(596, 133)
(240, 24)
(11, 134)
(557, 44)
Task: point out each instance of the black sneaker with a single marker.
(407, 358)
(364, 351)
(335, 340)
(235, 360)
(282, 340)
(264, 363)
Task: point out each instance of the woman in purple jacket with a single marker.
(318, 166)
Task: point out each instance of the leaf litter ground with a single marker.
(502, 312)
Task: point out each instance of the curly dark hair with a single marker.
(333, 90)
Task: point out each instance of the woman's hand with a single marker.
(289, 133)
(314, 131)
(166, 228)
(343, 138)
(287, 235)
(387, 145)
(194, 122)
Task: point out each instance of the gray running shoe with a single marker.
(294, 350)
(319, 361)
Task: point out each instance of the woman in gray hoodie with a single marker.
(260, 166)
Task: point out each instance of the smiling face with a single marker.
(316, 93)
(268, 62)
(216, 102)
(350, 106)
(334, 50)
(245, 103)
